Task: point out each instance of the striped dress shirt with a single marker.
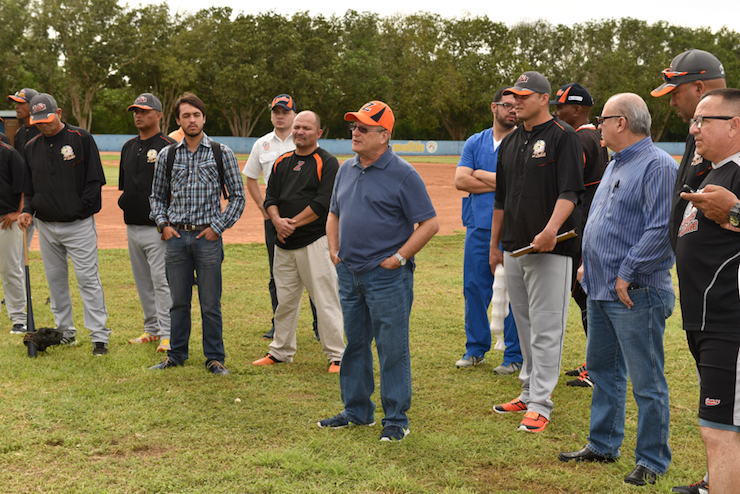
(627, 230)
(195, 188)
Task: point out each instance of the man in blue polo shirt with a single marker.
(476, 174)
(378, 198)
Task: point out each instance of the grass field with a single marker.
(73, 423)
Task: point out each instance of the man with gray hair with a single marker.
(627, 258)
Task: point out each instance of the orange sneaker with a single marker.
(267, 360)
(533, 422)
(335, 367)
(145, 338)
(514, 406)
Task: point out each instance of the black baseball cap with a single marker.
(43, 108)
(25, 95)
(146, 101)
(689, 66)
(573, 94)
(528, 83)
(284, 100)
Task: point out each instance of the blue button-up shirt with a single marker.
(627, 230)
(195, 188)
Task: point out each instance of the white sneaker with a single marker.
(507, 369)
(469, 361)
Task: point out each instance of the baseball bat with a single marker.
(31, 324)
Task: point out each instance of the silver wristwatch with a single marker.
(401, 260)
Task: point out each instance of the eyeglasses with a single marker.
(600, 119)
(363, 130)
(699, 119)
(669, 74)
(505, 106)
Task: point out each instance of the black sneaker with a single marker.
(165, 364)
(269, 335)
(338, 421)
(583, 381)
(393, 433)
(217, 368)
(697, 488)
(576, 372)
(19, 329)
(100, 349)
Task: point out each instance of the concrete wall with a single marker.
(344, 146)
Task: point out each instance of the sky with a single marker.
(679, 12)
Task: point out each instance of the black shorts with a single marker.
(716, 355)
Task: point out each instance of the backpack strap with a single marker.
(217, 155)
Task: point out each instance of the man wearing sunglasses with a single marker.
(476, 174)
(690, 75)
(626, 273)
(378, 198)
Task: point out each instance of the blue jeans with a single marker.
(376, 305)
(187, 255)
(624, 342)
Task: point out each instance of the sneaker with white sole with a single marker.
(19, 329)
(68, 340)
(533, 422)
(583, 381)
(100, 349)
(514, 406)
(164, 345)
(503, 370)
(469, 361)
(393, 433)
(144, 338)
(697, 488)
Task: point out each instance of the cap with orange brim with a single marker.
(689, 66)
(373, 113)
(43, 108)
(528, 83)
(146, 101)
(25, 95)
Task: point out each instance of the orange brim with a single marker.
(139, 106)
(49, 118)
(362, 117)
(662, 90)
(16, 99)
(519, 92)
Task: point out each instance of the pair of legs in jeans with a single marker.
(376, 305)
(186, 257)
(626, 342)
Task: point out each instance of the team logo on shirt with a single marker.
(697, 159)
(265, 146)
(712, 402)
(151, 156)
(538, 150)
(297, 168)
(68, 153)
(689, 224)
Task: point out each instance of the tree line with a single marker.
(438, 74)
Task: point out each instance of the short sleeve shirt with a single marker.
(265, 151)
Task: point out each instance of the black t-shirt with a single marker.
(63, 176)
(534, 169)
(12, 172)
(135, 175)
(691, 172)
(708, 263)
(300, 181)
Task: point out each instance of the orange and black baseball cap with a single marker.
(43, 108)
(373, 113)
(528, 83)
(284, 100)
(25, 95)
(573, 94)
(146, 101)
(689, 66)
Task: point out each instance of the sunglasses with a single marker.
(600, 120)
(362, 129)
(669, 74)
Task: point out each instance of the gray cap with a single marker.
(528, 83)
(43, 108)
(25, 95)
(146, 101)
(689, 66)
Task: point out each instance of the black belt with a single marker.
(190, 228)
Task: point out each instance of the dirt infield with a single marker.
(439, 178)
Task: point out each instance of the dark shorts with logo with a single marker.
(716, 355)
